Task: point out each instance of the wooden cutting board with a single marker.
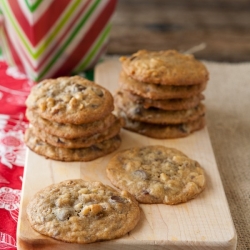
(203, 223)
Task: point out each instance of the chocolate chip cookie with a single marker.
(164, 67)
(72, 100)
(164, 104)
(67, 130)
(158, 91)
(157, 116)
(79, 211)
(70, 154)
(156, 174)
(162, 131)
(80, 142)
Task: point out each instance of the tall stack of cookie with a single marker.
(160, 93)
(71, 120)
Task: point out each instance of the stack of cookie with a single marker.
(160, 93)
(71, 120)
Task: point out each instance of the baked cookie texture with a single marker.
(164, 67)
(160, 93)
(79, 211)
(79, 142)
(70, 154)
(137, 112)
(70, 100)
(68, 130)
(71, 120)
(162, 131)
(156, 174)
(164, 104)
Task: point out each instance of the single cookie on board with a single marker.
(160, 131)
(69, 154)
(67, 130)
(156, 174)
(79, 211)
(157, 116)
(70, 100)
(165, 104)
(157, 91)
(164, 67)
(81, 142)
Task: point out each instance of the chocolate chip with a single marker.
(79, 87)
(141, 174)
(145, 192)
(59, 141)
(132, 58)
(158, 152)
(94, 106)
(99, 92)
(39, 143)
(138, 110)
(117, 199)
(182, 128)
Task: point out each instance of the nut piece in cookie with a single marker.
(156, 174)
(79, 211)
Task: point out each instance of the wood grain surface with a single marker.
(203, 223)
(220, 28)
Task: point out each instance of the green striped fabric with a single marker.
(95, 48)
(70, 38)
(54, 50)
(36, 54)
(34, 5)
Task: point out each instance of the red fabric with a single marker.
(14, 89)
(39, 30)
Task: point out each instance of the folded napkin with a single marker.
(14, 88)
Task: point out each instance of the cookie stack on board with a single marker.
(160, 93)
(71, 120)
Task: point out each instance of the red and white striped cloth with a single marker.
(14, 89)
(51, 38)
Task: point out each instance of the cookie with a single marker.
(157, 116)
(67, 154)
(81, 142)
(164, 67)
(72, 100)
(79, 211)
(67, 130)
(165, 104)
(159, 131)
(156, 174)
(157, 91)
